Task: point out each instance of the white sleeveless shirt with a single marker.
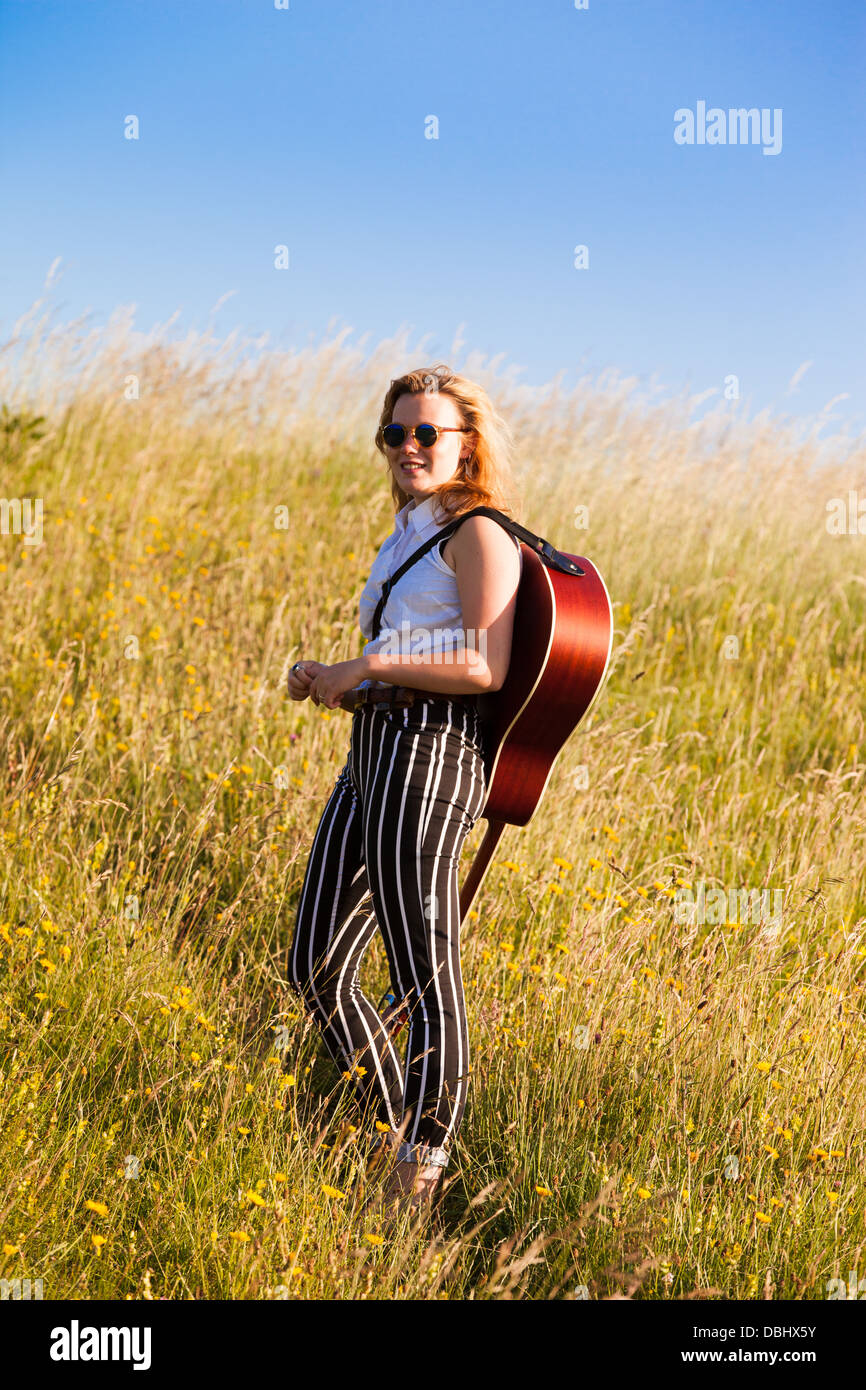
(422, 612)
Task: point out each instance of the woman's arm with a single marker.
(487, 569)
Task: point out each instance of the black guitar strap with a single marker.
(548, 553)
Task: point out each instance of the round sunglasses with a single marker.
(425, 435)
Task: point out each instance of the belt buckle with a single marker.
(389, 697)
(396, 697)
(372, 696)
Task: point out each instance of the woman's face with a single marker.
(419, 471)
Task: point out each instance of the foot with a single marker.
(412, 1186)
(405, 1188)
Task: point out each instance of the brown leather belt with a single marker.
(400, 696)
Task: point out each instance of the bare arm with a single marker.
(487, 569)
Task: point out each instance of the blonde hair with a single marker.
(484, 479)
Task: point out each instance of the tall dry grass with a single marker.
(655, 1108)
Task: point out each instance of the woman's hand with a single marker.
(327, 684)
(300, 680)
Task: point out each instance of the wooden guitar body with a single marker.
(563, 629)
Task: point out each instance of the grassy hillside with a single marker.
(656, 1107)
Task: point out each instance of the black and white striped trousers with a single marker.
(386, 854)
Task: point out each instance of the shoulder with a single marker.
(482, 538)
(483, 532)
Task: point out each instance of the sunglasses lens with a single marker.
(393, 435)
(426, 435)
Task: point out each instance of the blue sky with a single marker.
(305, 127)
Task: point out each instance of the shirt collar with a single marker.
(418, 515)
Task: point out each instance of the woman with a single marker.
(387, 848)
